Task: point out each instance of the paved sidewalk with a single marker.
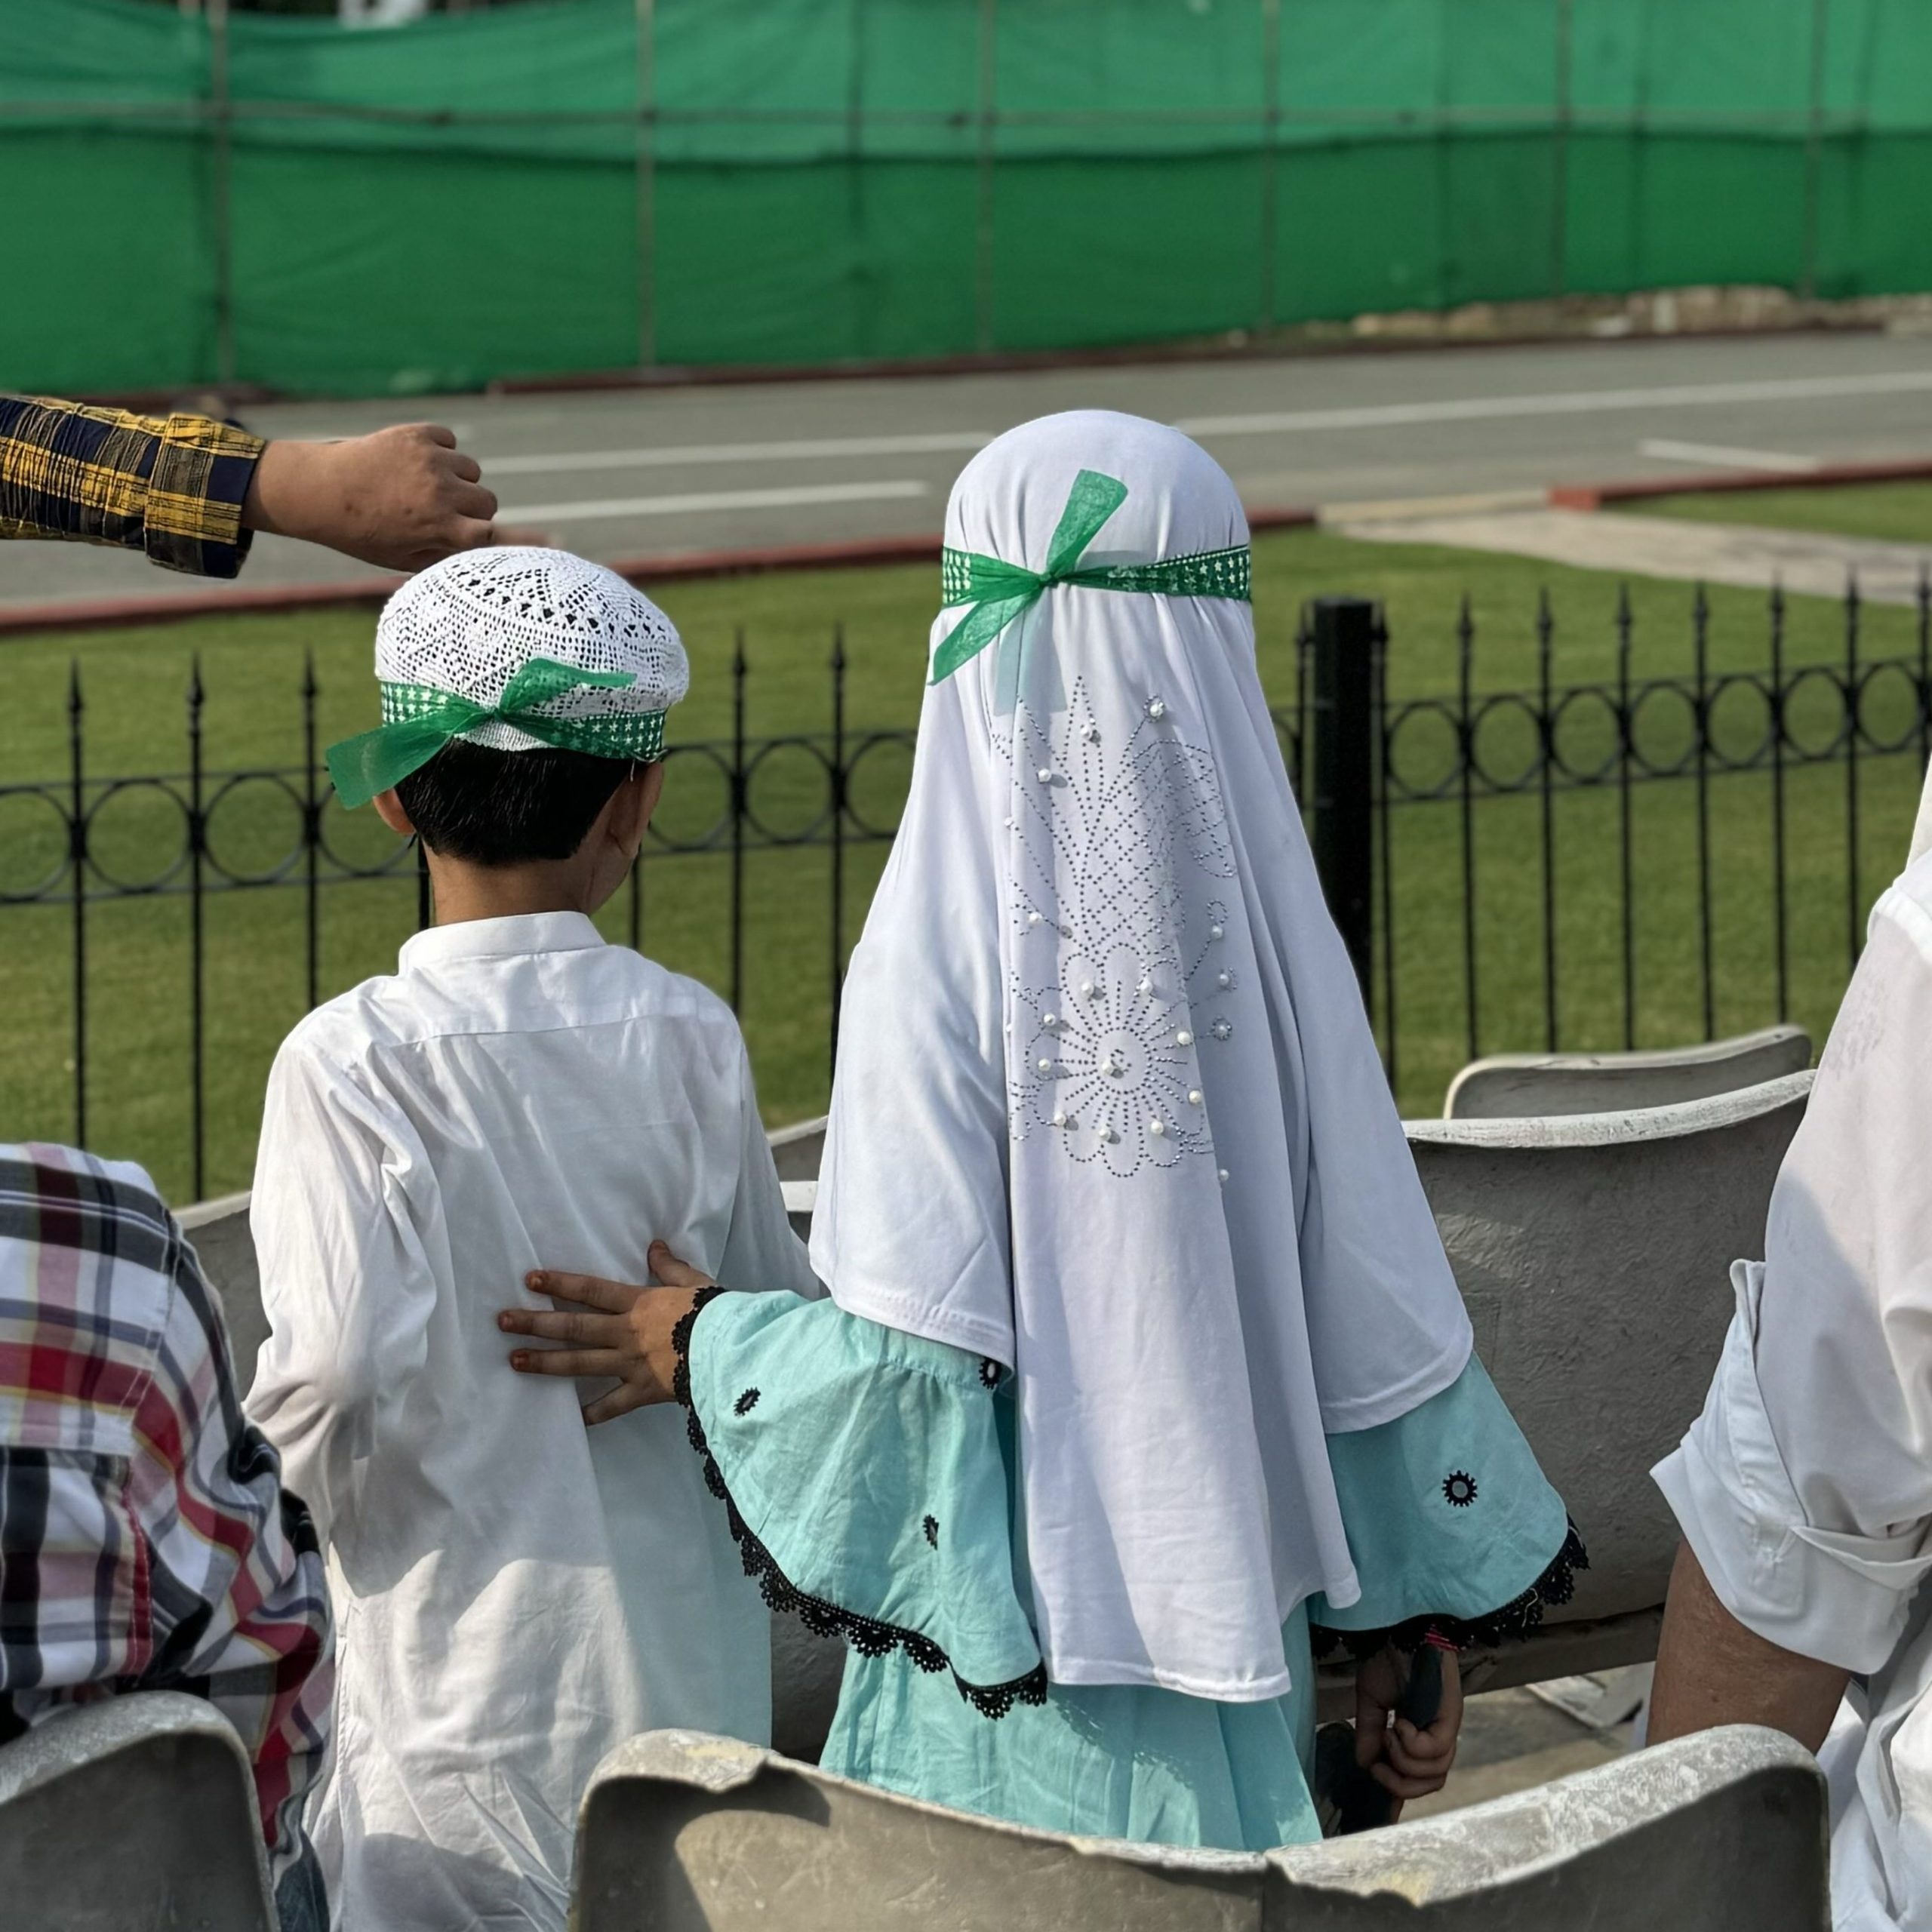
(1805, 562)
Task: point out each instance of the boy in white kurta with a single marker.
(515, 1595)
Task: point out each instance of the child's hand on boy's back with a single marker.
(615, 1329)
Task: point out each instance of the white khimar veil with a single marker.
(1108, 1109)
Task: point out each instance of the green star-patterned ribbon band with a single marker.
(999, 592)
(418, 720)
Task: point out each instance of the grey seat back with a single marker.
(1594, 1252)
(137, 1814)
(797, 1151)
(220, 1233)
(1508, 1086)
(684, 1833)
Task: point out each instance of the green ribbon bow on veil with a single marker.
(419, 720)
(999, 592)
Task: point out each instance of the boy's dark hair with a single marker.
(492, 808)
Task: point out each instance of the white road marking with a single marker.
(939, 442)
(711, 499)
(1574, 402)
(1721, 455)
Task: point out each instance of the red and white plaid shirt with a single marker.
(146, 1540)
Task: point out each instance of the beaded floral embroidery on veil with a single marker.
(1118, 975)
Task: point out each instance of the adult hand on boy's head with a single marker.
(403, 497)
(615, 1331)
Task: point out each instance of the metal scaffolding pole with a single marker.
(221, 172)
(1270, 130)
(647, 183)
(1559, 166)
(982, 248)
(1814, 150)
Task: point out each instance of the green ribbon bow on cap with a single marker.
(1000, 592)
(419, 720)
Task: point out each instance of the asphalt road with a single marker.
(632, 473)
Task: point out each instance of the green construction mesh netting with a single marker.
(478, 195)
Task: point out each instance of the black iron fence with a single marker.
(1739, 754)
(199, 835)
(1639, 859)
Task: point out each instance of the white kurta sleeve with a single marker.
(761, 1251)
(1805, 1486)
(346, 1286)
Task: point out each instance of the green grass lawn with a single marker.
(1900, 512)
(132, 685)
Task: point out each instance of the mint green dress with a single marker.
(869, 1475)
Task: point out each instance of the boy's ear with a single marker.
(651, 791)
(632, 804)
(388, 809)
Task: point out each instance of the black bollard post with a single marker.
(1343, 803)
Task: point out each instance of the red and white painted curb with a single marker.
(1598, 496)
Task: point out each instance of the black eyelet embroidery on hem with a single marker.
(990, 1371)
(1459, 1489)
(867, 1635)
(931, 1526)
(745, 1403)
(1513, 1620)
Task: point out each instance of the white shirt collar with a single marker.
(497, 939)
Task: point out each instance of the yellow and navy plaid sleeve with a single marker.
(172, 486)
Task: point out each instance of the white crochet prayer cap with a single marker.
(468, 625)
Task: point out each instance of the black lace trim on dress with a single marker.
(1514, 1620)
(866, 1635)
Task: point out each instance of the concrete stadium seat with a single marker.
(1510, 1086)
(680, 1832)
(1594, 1252)
(797, 1151)
(136, 1814)
(220, 1232)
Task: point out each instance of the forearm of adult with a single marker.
(1712, 1670)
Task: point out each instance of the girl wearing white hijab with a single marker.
(1142, 1355)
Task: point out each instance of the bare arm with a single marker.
(1712, 1671)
